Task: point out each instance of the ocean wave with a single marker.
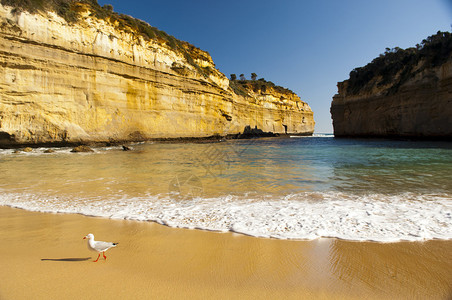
(304, 216)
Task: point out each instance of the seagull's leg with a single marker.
(103, 253)
(97, 258)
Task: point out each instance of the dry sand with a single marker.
(43, 256)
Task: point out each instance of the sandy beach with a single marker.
(44, 256)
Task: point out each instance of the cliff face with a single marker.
(90, 81)
(415, 102)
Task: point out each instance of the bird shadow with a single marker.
(66, 259)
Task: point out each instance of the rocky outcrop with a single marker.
(82, 148)
(95, 81)
(411, 96)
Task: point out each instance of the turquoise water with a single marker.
(300, 187)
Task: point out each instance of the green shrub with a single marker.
(242, 87)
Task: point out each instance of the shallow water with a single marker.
(300, 187)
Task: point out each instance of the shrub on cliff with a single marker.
(397, 65)
(242, 87)
(64, 8)
(61, 7)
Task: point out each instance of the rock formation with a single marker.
(100, 80)
(82, 148)
(403, 93)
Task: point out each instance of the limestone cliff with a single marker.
(404, 93)
(99, 80)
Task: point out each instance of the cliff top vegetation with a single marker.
(242, 86)
(70, 9)
(396, 66)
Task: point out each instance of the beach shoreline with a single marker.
(43, 256)
(170, 140)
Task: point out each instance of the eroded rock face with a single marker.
(421, 108)
(92, 82)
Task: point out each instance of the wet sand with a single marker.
(43, 256)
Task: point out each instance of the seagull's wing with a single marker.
(103, 246)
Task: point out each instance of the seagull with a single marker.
(98, 246)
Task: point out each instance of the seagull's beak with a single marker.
(84, 237)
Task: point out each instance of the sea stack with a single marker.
(403, 93)
(82, 73)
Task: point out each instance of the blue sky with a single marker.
(306, 46)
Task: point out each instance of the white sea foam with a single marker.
(55, 150)
(323, 135)
(34, 151)
(376, 217)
